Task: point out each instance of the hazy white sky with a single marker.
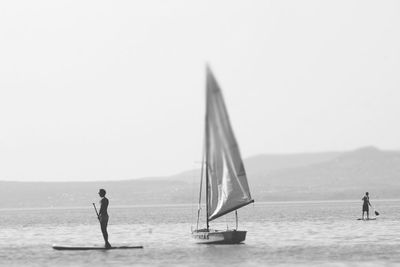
(94, 90)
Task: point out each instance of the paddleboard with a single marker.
(370, 219)
(93, 248)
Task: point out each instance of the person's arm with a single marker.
(102, 207)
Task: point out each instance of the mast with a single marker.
(206, 156)
(206, 164)
(207, 196)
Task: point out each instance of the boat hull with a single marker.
(219, 237)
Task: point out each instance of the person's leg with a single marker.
(104, 230)
(105, 233)
(367, 214)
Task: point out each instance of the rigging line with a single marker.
(201, 187)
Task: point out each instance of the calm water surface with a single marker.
(302, 233)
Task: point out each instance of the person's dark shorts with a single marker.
(365, 208)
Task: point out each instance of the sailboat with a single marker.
(226, 184)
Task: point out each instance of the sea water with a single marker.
(285, 233)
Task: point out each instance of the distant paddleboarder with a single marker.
(366, 205)
(103, 216)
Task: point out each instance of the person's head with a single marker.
(102, 192)
(367, 193)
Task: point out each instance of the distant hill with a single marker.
(344, 176)
(308, 176)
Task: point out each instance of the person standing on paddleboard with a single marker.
(103, 216)
(366, 205)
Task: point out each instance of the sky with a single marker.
(111, 90)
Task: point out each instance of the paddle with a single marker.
(375, 211)
(98, 217)
(108, 246)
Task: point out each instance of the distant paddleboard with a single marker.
(93, 248)
(370, 219)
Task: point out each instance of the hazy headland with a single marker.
(286, 177)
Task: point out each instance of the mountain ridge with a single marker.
(279, 177)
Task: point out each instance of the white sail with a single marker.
(227, 185)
